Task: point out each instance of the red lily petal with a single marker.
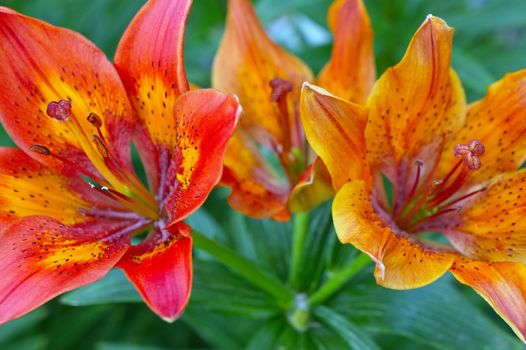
(149, 59)
(350, 74)
(152, 47)
(161, 270)
(501, 284)
(257, 190)
(28, 188)
(43, 63)
(206, 120)
(41, 258)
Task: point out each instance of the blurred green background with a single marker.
(226, 312)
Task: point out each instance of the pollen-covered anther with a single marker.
(43, 150)
(60, 110)
(95, 120)
(280, 88)
(470, 153)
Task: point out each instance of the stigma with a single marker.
(471, 153)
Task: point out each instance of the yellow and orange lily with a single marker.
(69, 198)
(267, 80)
(454, 170)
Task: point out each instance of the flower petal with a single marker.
(206, 120)
(256, 190)
(149, 59)
(43, 63)
(313, 187)
(151, 49)
(492, 227)
(416, 101)
(501, 284)
(335, 130)
(42, 258)
(161, 270)
(401, 263)
(351, 72)
(29, 188)
(245, 64)
(497, 121)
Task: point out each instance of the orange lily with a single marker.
(69, 199)
(267, 80)
(454, 169)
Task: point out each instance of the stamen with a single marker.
(115, 181)
(280, 89)
(47, 152)
(466, 196)
(427, 199)
(60, 110)
(101, 147)
(95, 120)
(419, 223)
(419, 165)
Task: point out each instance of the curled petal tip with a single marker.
(311, 87)
(431, 19)
(239, 110)
(170, 319)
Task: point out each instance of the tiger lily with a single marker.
(268, 164)
(69, 198)
(454, 169)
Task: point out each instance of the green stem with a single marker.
(339, 279)
(301, 227)
(245, 268)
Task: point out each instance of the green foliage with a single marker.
(227, 311)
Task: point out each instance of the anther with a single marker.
(470, 153)
(280, 88)
(43, 150)
(60, 110)
(95, 120)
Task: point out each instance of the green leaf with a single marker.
(113, 288)
(229, 295)
(356, 338)
(21, 325)
(37, 342)
(122, 346)
(223, 332)
(437, 315)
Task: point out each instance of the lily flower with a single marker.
(457, 200)
(70, 200)
(268, 163)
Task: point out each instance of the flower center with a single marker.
(430, 197)
(114, 180)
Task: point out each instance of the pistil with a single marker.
(280, 90)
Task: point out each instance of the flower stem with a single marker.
(245, 268)
(301, 227)
(339, 279)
